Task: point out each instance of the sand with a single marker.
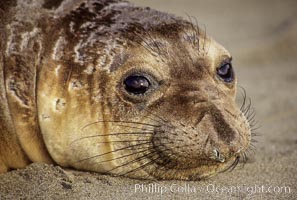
(262, 37)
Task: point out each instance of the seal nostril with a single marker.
(218, 156)
(216, 153)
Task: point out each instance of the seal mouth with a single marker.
(166, 168)
(206, 169)
(215, 159)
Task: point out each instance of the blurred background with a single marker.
(241, 26)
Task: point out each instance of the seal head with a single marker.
(136, 92)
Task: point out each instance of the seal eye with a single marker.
(137, 84)
(226, 73)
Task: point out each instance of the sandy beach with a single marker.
(262, 38)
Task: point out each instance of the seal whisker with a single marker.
(124, 156)
(255, 134)
(251, 119)
(195, 32)
(139, 42)
(204, 41)
(162, 119)
(124, 141)
(134, 127)
(111, 121)
(253, 149)
(142, 157)
(156, 44)
(135, 160)
(138, 168)
(254, 140)
(253, 123)
(197, 29)
(147, 46)
(120, 149)
(251, 114)
(243, 159)
(152, 161)
(116, 141)
(252, 145)
(112, 134)
(233, 165)
(248, 107)
(243, 94)
(154, 120)
(66, 81)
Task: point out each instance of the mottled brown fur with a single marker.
(62, 67)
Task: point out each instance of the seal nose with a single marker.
(221, 156)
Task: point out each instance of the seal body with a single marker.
(109, 87)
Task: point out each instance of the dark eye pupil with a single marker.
(226, 73)
(137, 84)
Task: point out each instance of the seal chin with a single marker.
(203, 171)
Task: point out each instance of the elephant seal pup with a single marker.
(109, 87)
